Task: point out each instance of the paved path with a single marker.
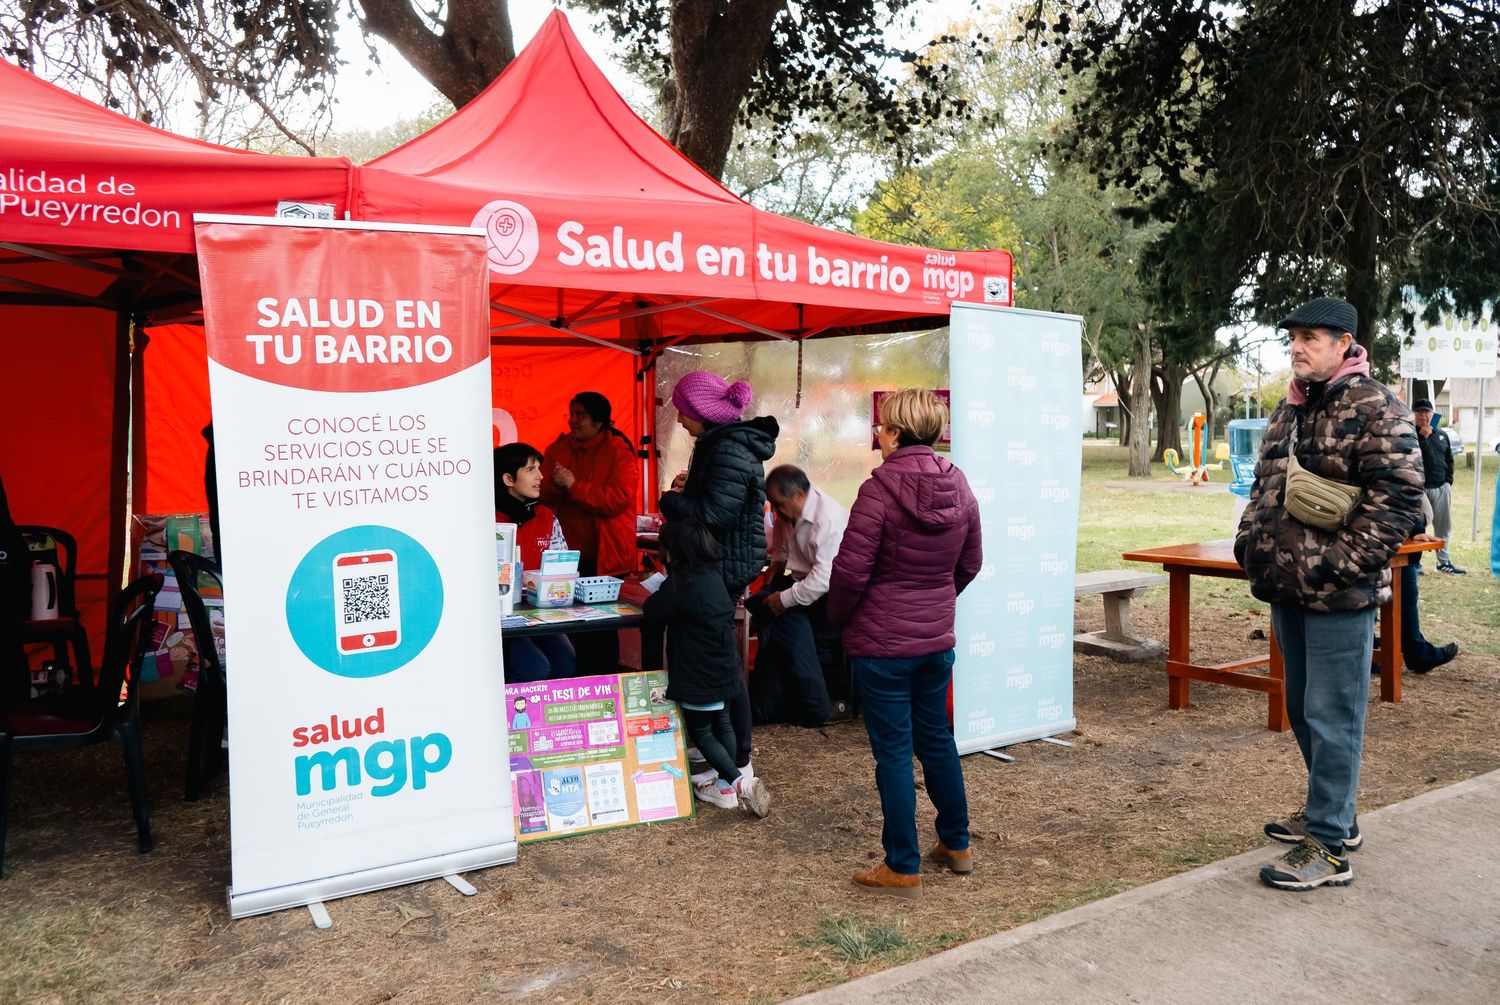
(1421, 923)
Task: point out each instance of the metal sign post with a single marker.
(1478, 462)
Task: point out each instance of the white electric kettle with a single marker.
(44, 592)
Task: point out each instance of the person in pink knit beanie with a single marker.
(708, 398)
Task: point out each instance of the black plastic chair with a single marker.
(211, 700)
(80, 718)
(59, 548)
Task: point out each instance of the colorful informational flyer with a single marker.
(349, 370)
(589, 753)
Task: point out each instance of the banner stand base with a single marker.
(997, 755)
(319, 915)
(460, 884)
(1060, 743)
(315, 892)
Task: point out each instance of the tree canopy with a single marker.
(1324, 147)
(791, 64)
(788, 63)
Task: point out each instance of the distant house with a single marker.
(1106, 409)
(1459, 405)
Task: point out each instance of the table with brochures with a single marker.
(574, 619)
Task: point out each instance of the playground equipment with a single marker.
(1200, 438)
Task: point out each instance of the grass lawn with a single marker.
(1115, 520)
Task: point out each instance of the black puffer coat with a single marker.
(726, 491)
(703, 665)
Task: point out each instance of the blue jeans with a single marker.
(1327, 661)
(905, 705)
(544, 658)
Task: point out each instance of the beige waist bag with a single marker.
(1314, 500)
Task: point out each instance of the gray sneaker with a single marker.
(1289, 831)
(1306, 867)
(1293, 829)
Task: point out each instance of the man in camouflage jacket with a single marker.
(1325, 586)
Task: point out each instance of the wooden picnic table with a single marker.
(1216, 559)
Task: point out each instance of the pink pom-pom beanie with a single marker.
(709, 398)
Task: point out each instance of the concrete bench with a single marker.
(1118, 641)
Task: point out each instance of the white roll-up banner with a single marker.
(1016, 378)
(350, 380)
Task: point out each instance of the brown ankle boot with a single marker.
(960, 862)
(880, 879)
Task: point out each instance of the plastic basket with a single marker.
(596, 589)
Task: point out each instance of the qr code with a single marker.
(1418, 366)
(367, 598)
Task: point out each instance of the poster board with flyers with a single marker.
(595, 753)
(172, 660)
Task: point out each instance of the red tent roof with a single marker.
(600, 225)
(75, 174)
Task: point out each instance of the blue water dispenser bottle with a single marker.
(1245, 436)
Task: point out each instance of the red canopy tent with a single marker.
(606, 247)
(96, 217)
(600, 227)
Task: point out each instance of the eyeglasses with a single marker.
(876, 427)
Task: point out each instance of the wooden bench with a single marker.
(1118, 641)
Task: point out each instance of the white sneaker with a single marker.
(697, 764)
(715, 793)
(753, 794)
(748, 771)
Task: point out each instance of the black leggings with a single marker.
(714, 735)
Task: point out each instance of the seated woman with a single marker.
(518, 486)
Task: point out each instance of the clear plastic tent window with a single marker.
(829, 435)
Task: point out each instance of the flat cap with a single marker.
(1324, 312)
(1422, 405)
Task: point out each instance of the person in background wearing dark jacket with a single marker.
(518, 485)
(703, 666)
(15, 608)
(912, 546)
(589, 481)
(725, 490)
(1419, 655)
(1325, 583)
(1437, 479)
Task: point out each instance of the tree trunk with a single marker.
(716, 47)
(1140, 396)
(1121, 380)
(476, 43)
(1166, 392)
(1361, 272)
(1210, 399)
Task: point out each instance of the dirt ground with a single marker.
(722, 907)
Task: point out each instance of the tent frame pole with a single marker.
(120, 459)
(542, 322)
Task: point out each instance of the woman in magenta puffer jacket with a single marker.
(911, 547)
